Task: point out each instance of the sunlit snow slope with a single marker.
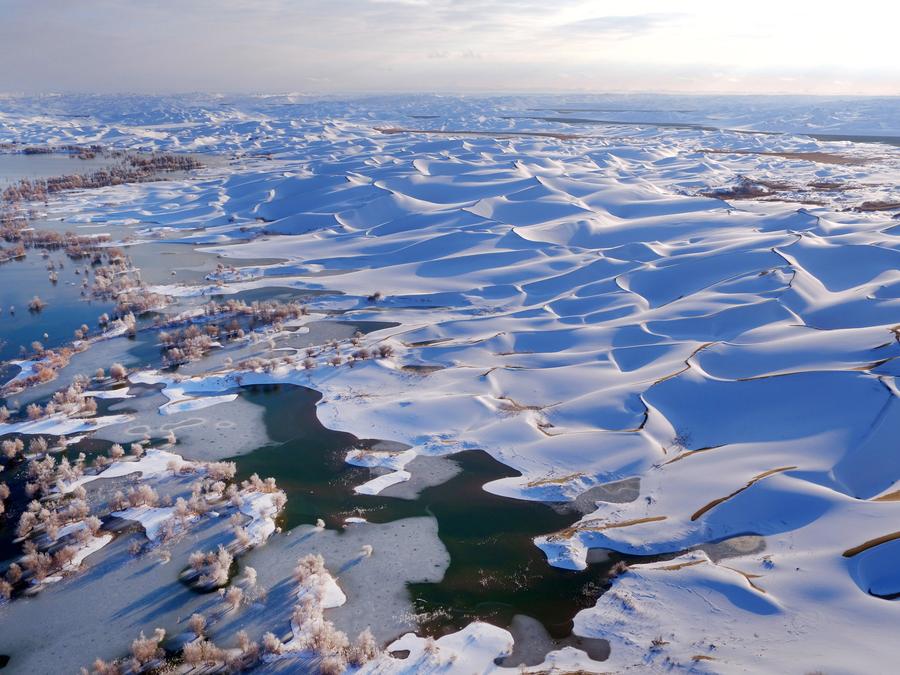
(594, 311)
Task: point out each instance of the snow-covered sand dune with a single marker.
(589, 312)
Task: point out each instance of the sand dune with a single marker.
(591, 317)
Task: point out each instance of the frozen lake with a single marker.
(611, 380)
(16, 166)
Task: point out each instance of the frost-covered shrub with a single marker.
(101, 667)
(37, 446)
(198, 504)
(143, 495)
(619, 568)
(192, 652)
(211, 568)
(323, 638)
(279, 500)
(63, 557)
(145, 649)
(37, 564)
(271, 644)
(221, 470)
(309, 565)
(12, 448)
(249, 577)
(93, 524)
(14, 573)
(332, 665)
(365, 649)
(27, 521)
(250, 650)
(181, 510)
(197, 624)
(242, 537)
(308, 610)
(202, 652)
(234, 596)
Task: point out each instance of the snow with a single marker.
(120, 393)
(585, 310)
(470, 650)
(260, 506)
(321, 586)
(26, 370)
(473, 649)
(152, 519)
(60, 425)
(154, 463)
(332, 595)
(179, 405)
(92, 545)
(379, 483)
(376, 458)
(702, 608)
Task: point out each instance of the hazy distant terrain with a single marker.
(676, 320)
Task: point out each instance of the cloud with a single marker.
(620, 27)
(430, 45)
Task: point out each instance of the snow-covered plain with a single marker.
(581, 305)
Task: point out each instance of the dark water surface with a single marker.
(66, 310)
(496, 571)
(15, 166)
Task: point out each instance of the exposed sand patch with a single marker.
(872, 543)
(715, 502)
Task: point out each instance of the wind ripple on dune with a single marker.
(591, 318)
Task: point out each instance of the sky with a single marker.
(479, 46)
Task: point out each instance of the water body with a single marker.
(163, 262)
(16, 476)
(852, 138)
(66, 309)
(607, 122)
(15, 166)
(856, 138)
(496, 572)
